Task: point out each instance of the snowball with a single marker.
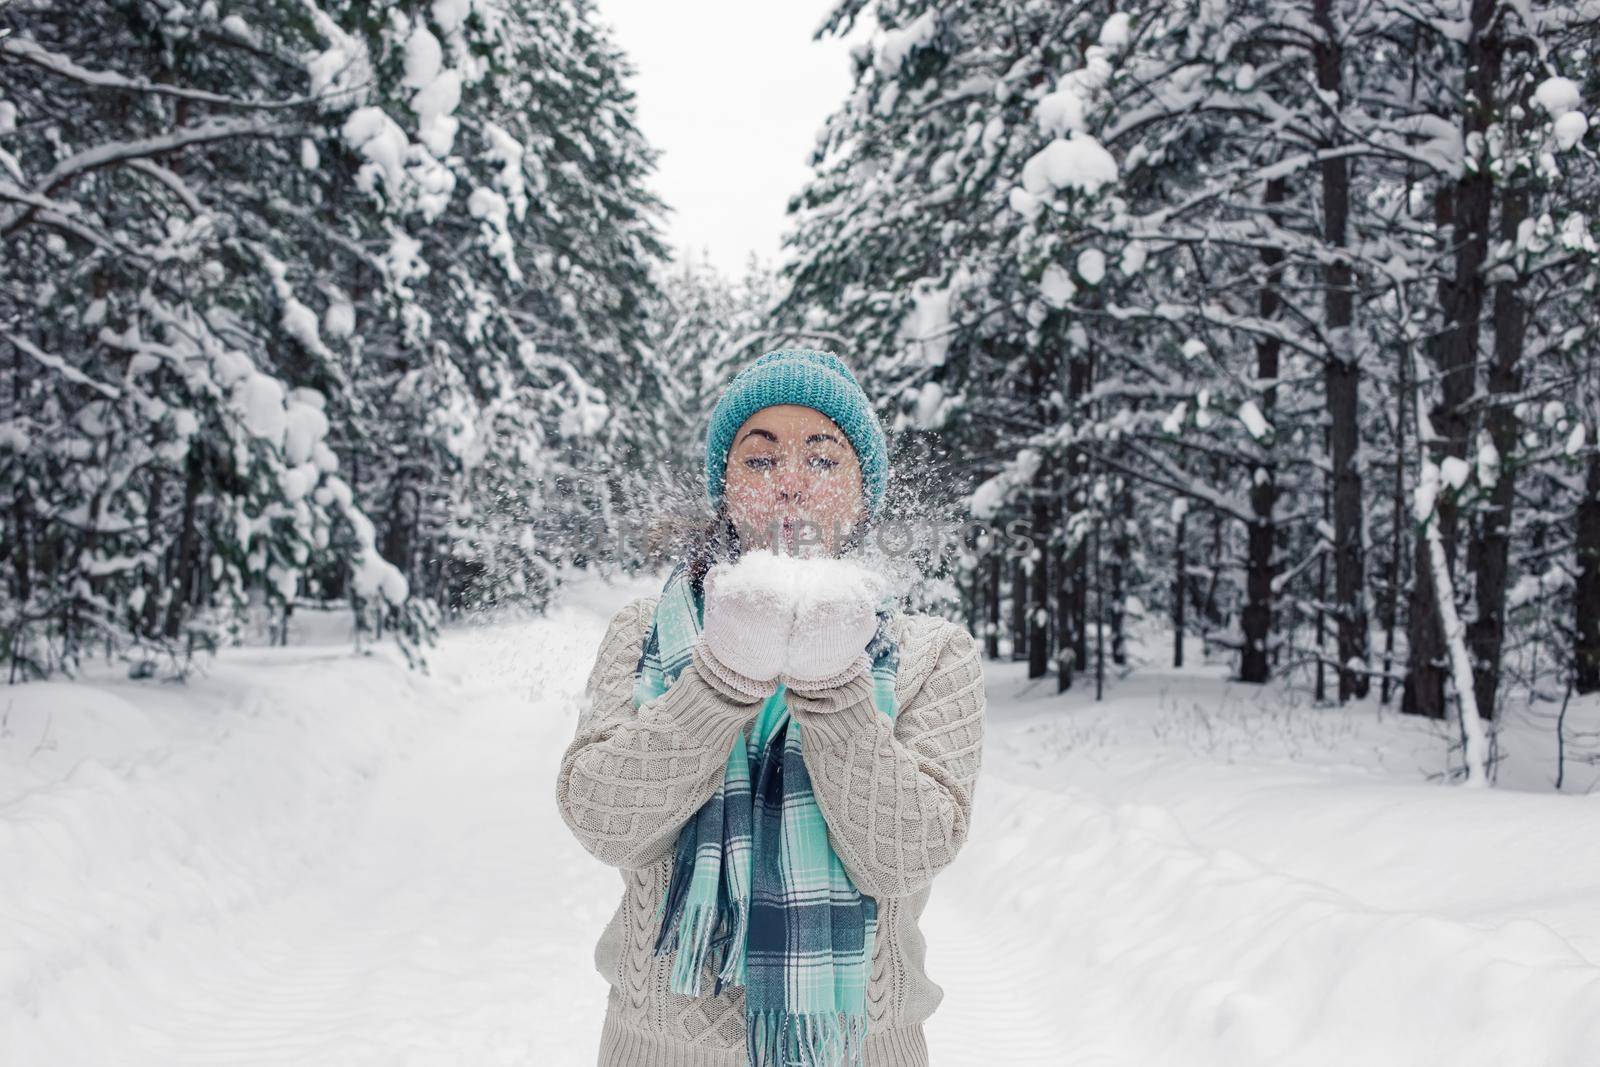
(1455, 471)
(1174, 420)
(1091, 265)
(1254, 422)
(1488, 461)
(1570, 128)
(374, 135)
(324, 458)
(1096, 69)
(435, 106)
(299, 480)
(300, 322)
(309, 158)
(339, 321)
(1133, 257)
(305, 427)
(897, 44)
(1575, 234)
(508, 152)
(1056, 287)
(930, 400)
(260, 398)
(450, 14)
(926, 330)
(986, 499)
(424, 58)
(1557, 96)
(372, 574)
(1077, 163)
(231, 366)
(13, 436)
(1116, 31)
(1024, 203)
(1193, 347)
(1060, 113)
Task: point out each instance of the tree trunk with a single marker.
(1343, 385)
(1586, 593)
(1019, 609)
(991, 638)
(1179, 586)
(1255, 622)
(1060, 557)
(1461, 298)
(187, 543)
(1039, 608)
(1121, 570)
(1490, 551)
(1397, 539)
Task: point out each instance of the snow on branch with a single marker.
(59, 365)
(28, 51)
(123, 151)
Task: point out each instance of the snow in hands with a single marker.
(802, 583)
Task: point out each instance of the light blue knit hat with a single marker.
(810, 378)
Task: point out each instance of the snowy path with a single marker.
(407, 894)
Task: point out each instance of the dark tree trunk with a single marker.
(1066, 660)
(991, 638)
(1180, 587)
(1019, 609)
(1404, 404)
(1586, 593)
(1039, 607)
(1461, 298)
(1343, 386)
(399, 539)
(1490, 551)
(1121, 570)
(1079, 375)
(188, 541)
(1255, 621)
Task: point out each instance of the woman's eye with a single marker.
(757, 463)
(824, 463)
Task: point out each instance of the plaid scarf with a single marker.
(756, 886)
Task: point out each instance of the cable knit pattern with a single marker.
(896, 795)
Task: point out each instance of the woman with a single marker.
(786, 873)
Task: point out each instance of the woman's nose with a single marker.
(792, 479)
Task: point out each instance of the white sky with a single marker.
(733, 94)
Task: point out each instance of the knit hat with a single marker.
(813, 379)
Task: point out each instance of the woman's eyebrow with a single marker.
(768, 434)
(824, 436)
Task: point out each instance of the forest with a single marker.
(1271, 323)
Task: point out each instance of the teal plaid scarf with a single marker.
(756, 886)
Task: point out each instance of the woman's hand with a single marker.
(745, 632)
(827, 644)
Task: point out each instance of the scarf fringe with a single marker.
(833, 1039)
(690, 937)
(733, 972)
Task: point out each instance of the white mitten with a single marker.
(832, 626)
(745, 631)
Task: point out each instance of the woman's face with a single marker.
(793, 483)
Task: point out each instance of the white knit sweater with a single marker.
(896, 795)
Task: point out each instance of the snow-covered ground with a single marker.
(312, 857)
